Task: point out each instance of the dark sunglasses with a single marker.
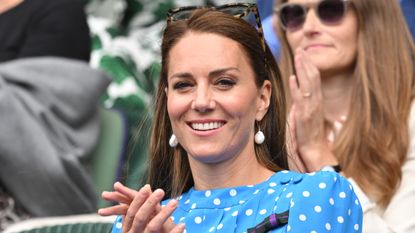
(239, 10)
(293, 15)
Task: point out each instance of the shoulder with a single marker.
(321, 201)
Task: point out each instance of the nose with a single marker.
(203, 101)
(311, 22)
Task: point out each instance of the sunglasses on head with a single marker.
(293, 15)
(239, 10)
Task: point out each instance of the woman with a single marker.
(218, 146)
(351, 85)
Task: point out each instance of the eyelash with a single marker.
(223, 83)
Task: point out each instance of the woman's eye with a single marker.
(225, 82)
(181, 85)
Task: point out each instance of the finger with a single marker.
(116, 197)
(139, 199)
(128, 192)
(178, 228)
(294, 89)
(311, 71)
(146, 211)
(163, 218)
(113, 210)
(302, 76)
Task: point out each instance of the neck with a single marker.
(337, 92)
(6, 5)
(234, 172)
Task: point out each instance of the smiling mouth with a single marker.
(206, 126)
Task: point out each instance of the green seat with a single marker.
(107, 159)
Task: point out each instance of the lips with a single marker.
(205, 126)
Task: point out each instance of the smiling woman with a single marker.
(221, 106)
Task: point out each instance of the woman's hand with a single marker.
(141, 210)
(295, 162)
(307, 114)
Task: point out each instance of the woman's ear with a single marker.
(264, 100)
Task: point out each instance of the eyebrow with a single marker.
(213, 73)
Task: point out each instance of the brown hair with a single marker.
(375, 137)
(169, 167)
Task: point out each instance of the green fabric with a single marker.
(74, 228)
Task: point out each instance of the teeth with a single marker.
(206, 126)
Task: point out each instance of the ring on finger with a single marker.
(306, 94)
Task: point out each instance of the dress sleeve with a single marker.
(399, 214)
(324, 201)
(117, 226)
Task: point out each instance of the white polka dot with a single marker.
(284, 171)
(193, 206)
(220, 226)
(118, 225)
(235, 213)
(208, 193)
(331, 200)
(263, 211)
(356, 202)
(292, 203)
(256, 191)
(233, 192)
(311, 173)
(172, 218)
(284, 189)
(249, 212)
(349, 212)
(335, 179)
(317, 208)
(250, 186)
(198, 220)
(302, 217)
(276, 199)
(290, 194)
(342, 195)
(350, 187)
(275, 208)
(306, 193)
(227, 209)
(216, 201)
(313, 232)
(322, 185)
(272, 184)
(211, 229)
(270, 191)
(181, 219)
(288, 228)
(241, 202)
(356, 227)
(328, 226)
(340, 219)
(185, 231)
(180, 197)
(187, 202)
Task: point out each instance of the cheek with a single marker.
(293, 40)
(176, 106)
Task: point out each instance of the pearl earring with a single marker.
(173, 141)
(259, 137)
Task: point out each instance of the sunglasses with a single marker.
(293, 15)
(239, 10)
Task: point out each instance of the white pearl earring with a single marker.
(259, 137)
(173, 141)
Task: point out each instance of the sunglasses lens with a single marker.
(292, 16)
(331, 11)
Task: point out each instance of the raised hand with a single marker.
(141, 210)
(308, 115)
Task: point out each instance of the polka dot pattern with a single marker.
(317, 202)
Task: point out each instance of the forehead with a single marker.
(200, 50)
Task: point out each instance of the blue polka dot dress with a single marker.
(316, 202)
